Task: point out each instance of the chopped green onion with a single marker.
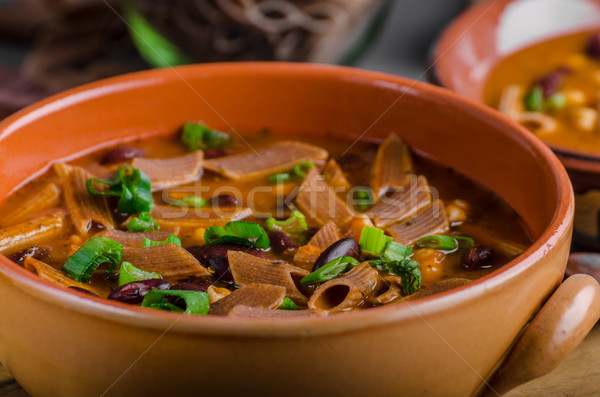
(97, 250)
(152, 46)
(288, 304)
(142, 223)
(196, 302)
(129, 274)
(131, 185)
(373, 240)
(191, 202)
(464, 242)
(169, 240)
(238, 232)
(296, 223)
(330, 270)
(439, 242)
(301, 169)
(198, 136)
(394, 251)
(534, 99)
(407, 270)
(363, 198)
(279, 178)
(555, 102)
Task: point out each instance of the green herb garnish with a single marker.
(198, 136)
(394, 251)
(534, 100)
(438, 242)
(301, 169)
(238, 232)
(169, 240)
(191, 202)
(330, 270)
(288, 304)
(279, 178)
(142, 223)
(407, 270)
(129, 274)
(131, 185)
(196, 302)
(295, 224)
(83, 263)
(363, 198)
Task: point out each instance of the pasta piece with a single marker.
(350, 291)
(431, 220)
(392, 167)
(217, 293)
(537, 122)
(248, 269)
(173, 171)
(306, 256)
(511, 101)
(48, 197)
(171, 261)
(326, 236)
(391, 291)
(334, 176)
(24, 235)
(356, 225)
(438, 288)
(55, 276)
(136, 239)
(263, 296)
(259, 312)
(318, 201)
(171, 217)
(83, 207)
(402, 204)
(281, 156)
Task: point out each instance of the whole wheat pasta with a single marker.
(171, 217)
(431, 220)
(248, 269)
(46, 198)
(32, 232)
(390, 291)
(281, 156)
(262, 296)
(402, 204)
(173, 171)
(350, 291)
(318, 202)
(327, 235)
(335, 177)
(392, 167)
(136, 239)
(511, 101)
(171, 261)
(55, 276)
(83, 207)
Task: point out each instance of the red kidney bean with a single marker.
(220, 266)
(85, 291)
(197, 286)
(214, 153)
(476, 258)
(36, 252)
(121, 154)
(224, 200)
(592, 48)
(133, 293)
(343, 247)
(281, 243)
(551, 82)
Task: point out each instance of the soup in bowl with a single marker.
(279, 222)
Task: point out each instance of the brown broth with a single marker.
(526, 66)
(490, 219)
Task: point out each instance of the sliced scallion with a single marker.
(373, 240)
(83, 263)
(330, 270)
(394, 251)
(555, 102)
(191, 202)
(464, 242)
(363, 198)
(288, 304)
(142, 223)
(169, 240)
(534, 100)
(129, 274)
(301, 169)
(279, 178)
(295, 224)
(198, 136)
(438, 242)
(196, 302)
(131, 185)
(238, 232)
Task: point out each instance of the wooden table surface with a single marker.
(577, 376)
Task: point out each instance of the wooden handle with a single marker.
(561, 324)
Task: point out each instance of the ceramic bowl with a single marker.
(61, 343)
(470, 48)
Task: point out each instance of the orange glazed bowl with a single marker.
(63, 343)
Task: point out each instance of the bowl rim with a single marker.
(471, 16)
(113, 311)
